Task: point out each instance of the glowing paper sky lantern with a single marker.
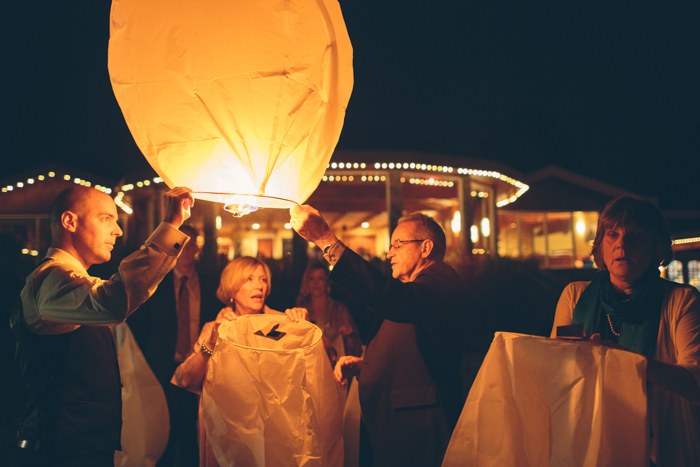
(233, 98)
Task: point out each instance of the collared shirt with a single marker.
(60, 295)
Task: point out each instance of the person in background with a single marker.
(244, 285)
(410, 388)
(65, 352)
(331, 316)
(166, 328)
(15, 268)
(627, 304)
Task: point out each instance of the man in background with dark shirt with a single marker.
(166, 328)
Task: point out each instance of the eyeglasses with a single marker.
(396, 244)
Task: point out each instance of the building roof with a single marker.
(43, 184)
(555, 189)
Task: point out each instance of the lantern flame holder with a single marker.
(240, 204)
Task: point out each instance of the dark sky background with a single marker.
(607, 89)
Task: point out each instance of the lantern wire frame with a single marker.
(240, 204)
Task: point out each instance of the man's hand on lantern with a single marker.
(346, 368)
(309, 223)
(178, 202)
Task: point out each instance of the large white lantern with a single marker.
(241, 100)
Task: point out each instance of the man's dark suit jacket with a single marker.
(154, 324)
(410, 387)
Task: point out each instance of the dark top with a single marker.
(154, 325)
(410, 387)
(73, 388)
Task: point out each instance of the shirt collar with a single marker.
(190, 277)
(63, 256)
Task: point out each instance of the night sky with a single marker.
(608, 90)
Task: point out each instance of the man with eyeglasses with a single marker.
(410, 388)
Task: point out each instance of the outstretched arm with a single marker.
(190, 374)
(313, 228)
(62, 296)
(309, 223)
(346, 368)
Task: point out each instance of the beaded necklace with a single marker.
(615, 333)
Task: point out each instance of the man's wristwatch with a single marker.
(327, 252)
(328, 247)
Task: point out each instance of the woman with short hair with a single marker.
(629, 305)
(244, 285)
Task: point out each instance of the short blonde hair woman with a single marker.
(629, 305)
(237, 278)
(243, 287)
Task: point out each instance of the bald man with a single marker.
(65, 350)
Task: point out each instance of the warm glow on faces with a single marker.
(250, 297)
(628, 253)
(406, 259)
(318, 283)
(97, 229)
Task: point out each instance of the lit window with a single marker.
(474, 233)
(694, 273)
(675, 271)
(456, 223)
(485, 227)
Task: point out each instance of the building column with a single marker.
(545, 230)
(37, 233)
(493, 218)
(466, 208)
(158, 206)
(209, 211)
(394, 199)
(124, 221)
(572, 226)
(154, 206)
(300, 259)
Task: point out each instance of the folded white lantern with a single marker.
(269, 397)
(242, 101)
